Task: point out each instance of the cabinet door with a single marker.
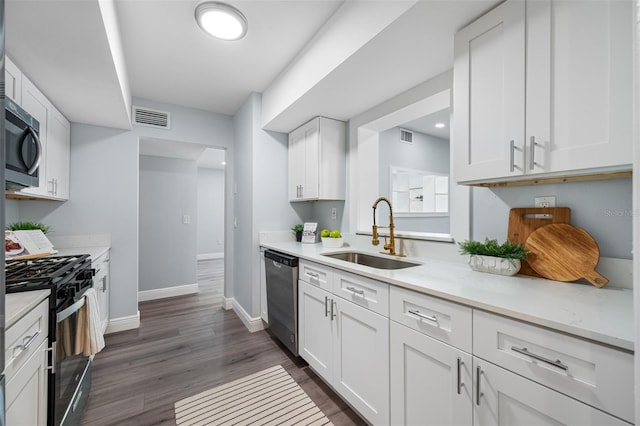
(431, 382)
(581, 114)
(310, 189)
(58, 136)
(26, 392)
(489, 80)
(361, 360)
(296, 164)
(314, 328)
(505, 398)
(34, 102)
(12, 81)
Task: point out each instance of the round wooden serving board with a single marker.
(564, 252)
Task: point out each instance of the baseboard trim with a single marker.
(208, 256)
(227, 303)
(123, 323)
(161, 293)
(252, 324)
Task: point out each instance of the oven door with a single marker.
(71, 365)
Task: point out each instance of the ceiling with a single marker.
(89, 59)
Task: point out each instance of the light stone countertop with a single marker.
(94, 252)
(18, 305)
(603, 315)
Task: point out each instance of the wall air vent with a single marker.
(151, 117)
(406, 136)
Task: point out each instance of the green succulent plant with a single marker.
(507, 250)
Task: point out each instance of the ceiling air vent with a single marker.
(406, 136)
(151, 117)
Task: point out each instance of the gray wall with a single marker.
(261, 201)
(602, 208)
(210, 211)
(104, 189)
(168, 247)
(426, 153)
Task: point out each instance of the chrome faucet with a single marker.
(391, 246)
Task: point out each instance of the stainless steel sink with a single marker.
(372, 261)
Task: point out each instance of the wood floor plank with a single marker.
(187, 345)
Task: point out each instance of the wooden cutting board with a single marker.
(523, 221)
(564, 252)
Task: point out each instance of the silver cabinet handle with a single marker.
(104, 283)
(326, 309)
(301, 191)
(459, 375)
(313, 277)
(478, 393)
(333, 314)
(359, 292)
(532, 152)
(17, 350)
(422, 316)
(512, 147)
(556, 363)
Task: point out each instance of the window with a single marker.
(419, 193)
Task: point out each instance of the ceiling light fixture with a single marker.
(221, 20)
(440, 125)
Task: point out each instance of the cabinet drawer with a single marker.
(24, 337)
(371, 294)
(442, 320)
(315, 274)
(597, 375)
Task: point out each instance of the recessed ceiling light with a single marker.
(221, 20)
(224, 163)
(440, 125)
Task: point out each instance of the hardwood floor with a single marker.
(186, 345)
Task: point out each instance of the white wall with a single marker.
(210, 211)
(104, 189)
(168, 246)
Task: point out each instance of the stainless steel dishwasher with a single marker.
(282, 297)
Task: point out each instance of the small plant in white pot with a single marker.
(495, 258)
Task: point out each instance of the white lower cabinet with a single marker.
(505, 398)
(431, 382)
(27, 392)
(436, 362)
(102, 287)
(26, 368)
(347, 345)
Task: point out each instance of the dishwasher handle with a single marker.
(282, 258)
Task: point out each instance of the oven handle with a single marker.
(62, 315)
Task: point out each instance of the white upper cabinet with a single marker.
(55, 136)
(542, 88)
(12, 81)
(317, 161)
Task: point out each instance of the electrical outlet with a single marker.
(546, 201)
(186, 219)
(334, 213)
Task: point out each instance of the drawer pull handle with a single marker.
(422, 316)
(460, 384)
(313, 277)
(17, 350)
(326, 309)
(556, 363)
(359, 292)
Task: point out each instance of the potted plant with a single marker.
(495, 258)
(298, 230)
(25, 226)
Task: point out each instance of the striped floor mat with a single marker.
(268, 397)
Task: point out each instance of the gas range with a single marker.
(42, 273)
(69, 370)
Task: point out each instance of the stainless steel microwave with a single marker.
(23, 150)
